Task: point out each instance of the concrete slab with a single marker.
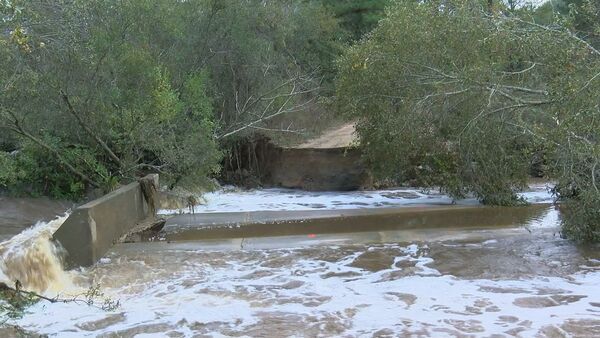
(93, 228)
(289, 223)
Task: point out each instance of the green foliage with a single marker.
(13, 304)
(33, 171)
(581, 217)
(426, 104)
(103, 92)
(358, 17)
(10, 173)
(462, 99)
(581, 16)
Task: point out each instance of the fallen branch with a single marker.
(17, 296)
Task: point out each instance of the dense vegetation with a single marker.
(357, 17)
(97, 92)
(460, 94)
(463, 96)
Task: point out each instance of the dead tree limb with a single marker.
(17, 293)
(273, 104)
(262, 119)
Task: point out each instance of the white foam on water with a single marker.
(229, 200)
(33, 259)
(341, 290)
(263, 292)
(539, 193)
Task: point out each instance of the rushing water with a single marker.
(17, 214)
(515, 279)
(235, 200)
(32, 258)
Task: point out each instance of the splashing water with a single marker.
(425, 289)
(515, 281)
(34, 260)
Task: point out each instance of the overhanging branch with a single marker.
(88, 130)
(16, 127)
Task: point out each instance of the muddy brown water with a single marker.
(286, 223)
(17, 214)
(410, 272)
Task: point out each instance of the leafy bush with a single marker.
(101, 92)
(462, 95)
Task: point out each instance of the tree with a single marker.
(86, 92)
(357, 17)
(105, 91)
(581, 16)
(271, 59)
(461, 99)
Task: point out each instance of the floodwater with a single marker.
(231, 199)
(17, 214)
(499, 273)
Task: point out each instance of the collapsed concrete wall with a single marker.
(316, 169)
(259, 162)
(93, 228)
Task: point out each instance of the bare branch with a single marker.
(521, 71)
(272, 104)
(262, 119)
(106, 304)
(588, 82)
(445, 94)
(286, 130)
(594, 176)
(522, 101)
(524, 89)
(17, 128)
(87, 129)
(568, 33)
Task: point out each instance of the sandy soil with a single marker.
(337, 137)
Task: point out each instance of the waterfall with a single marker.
(33, 259)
